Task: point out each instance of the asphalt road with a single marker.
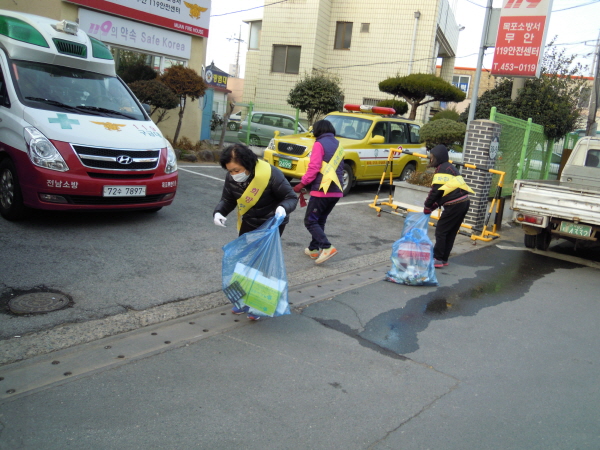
(113, 262)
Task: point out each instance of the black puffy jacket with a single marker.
(278, 193)
(436, 198)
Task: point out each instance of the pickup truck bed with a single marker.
(562, 202)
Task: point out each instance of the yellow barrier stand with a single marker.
(486, 235)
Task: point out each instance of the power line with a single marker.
(249, 9)
(577, 6)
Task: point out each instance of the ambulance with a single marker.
(367, 133)
(72, 134)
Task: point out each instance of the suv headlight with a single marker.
(171, 159)
(271, 145)
(42, 152)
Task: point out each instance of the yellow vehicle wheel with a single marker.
(407, 171)
(348, 179)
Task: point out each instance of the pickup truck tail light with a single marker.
(535, 220)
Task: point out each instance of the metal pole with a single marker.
(591, 121)
(482, 48)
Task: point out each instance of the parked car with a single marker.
(263, 126)
(234, 121)
(366, 138)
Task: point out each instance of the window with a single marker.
(343, 35)
(364, 27)
(286, 59)
(415, 133)
(398, 133)
(4, 100)
(461, 82)
(124, 58)
(371, 101)
(380, 130)
(255, 31)
(584, 97)
(593, 158)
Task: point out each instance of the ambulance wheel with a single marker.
(347, 179)
(11, 199)
(407, 171)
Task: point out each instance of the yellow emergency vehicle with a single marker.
(367, 133)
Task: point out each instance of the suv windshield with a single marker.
(55, 88)
(350, 127)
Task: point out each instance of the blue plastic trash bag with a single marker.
(412, 254)
(254, 271)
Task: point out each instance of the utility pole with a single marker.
(482, 47)
(592, 126)
(237, 58)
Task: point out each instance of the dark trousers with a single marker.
(447, 228)
(317, 211)
(245, 228)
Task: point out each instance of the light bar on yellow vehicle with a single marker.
(370, 109)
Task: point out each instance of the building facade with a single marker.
(362, 43)
(161, 33)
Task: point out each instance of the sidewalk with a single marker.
(468, 364)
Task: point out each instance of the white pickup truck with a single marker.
(568, 208)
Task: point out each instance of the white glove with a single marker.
(220, 220)
(280, 211)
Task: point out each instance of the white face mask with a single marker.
(240, 177)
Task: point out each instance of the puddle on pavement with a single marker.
(509, 279)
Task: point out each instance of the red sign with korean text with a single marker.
(518, 46)
(178, 15)
(521, 36)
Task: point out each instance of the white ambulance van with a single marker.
(72, 135)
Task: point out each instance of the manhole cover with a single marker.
(37, 302)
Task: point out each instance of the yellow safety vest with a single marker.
(328, 170)
(450, 183)
(262, 175)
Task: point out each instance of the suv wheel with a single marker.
(347, 179)
(407, 171)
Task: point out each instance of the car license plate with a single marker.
(285, 163)
(576, 229)
(124, 191)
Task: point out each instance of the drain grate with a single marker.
(38, 303)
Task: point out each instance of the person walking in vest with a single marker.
(257, 190)
(323, 180)
(448, 190)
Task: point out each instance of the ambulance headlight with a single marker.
(42, 152)
(171, 159)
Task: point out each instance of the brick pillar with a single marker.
(477, 152)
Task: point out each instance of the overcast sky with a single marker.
(576, 24)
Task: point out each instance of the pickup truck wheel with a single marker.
(530, 240)
(543, 240)
(11, 199)
(232, 126)
(407, 171)
(347, 179)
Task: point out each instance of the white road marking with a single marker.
(353, 203)
(202, 175)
